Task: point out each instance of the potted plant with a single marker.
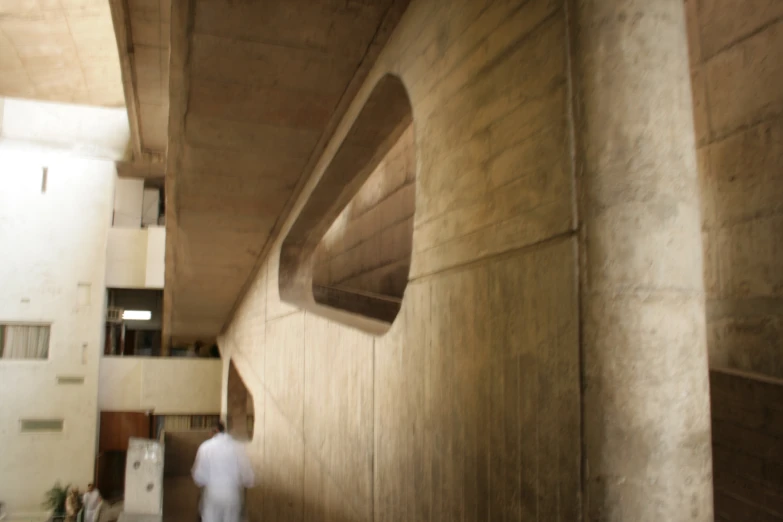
(55, 501)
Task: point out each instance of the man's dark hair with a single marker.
(220, 427)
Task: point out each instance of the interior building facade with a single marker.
(460, 260)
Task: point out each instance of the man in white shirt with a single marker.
(223, 470)
(92, 501)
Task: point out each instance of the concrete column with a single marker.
(646, 397)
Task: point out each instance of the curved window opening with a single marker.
(348, 254)
(240, 411)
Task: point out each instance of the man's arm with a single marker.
(200, 469)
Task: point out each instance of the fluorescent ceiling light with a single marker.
(137, 315)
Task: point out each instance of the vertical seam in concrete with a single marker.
(304, 411)
(518, 413)
(702, 66)
(374, 445)
(580, 254)
(263, 383)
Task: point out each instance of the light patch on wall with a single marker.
(83, 294)
(70, 379)
(41, 425)
(44, 179)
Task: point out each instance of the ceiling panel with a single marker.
(59, 51)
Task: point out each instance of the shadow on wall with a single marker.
(240, 412)
(270, 504)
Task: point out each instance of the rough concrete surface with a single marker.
(256, 90)
(468, 408)
(736, 58)
(646, 396)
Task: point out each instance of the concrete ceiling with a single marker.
(256, 91)
(59, 50)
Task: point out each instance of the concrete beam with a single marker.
(182, 19)
(141, 170)
(122, 31)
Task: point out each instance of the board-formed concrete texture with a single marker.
(736, 57)
(747, 423)
(144, 477)
(468, 407)
(256, 89)
(368, 247)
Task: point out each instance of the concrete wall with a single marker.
(239, 405)
(747, 425)
(136, 257)
(469, 406)
(737, 71)
(369, 246)
(167, 386)
(52, 270)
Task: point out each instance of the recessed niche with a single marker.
(41, 425)
(240, 410)
(347, 255)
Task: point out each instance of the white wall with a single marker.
(128, 202)
(53, 242)
(150, 207)
(136, 257)
(172, 385)
(96, 132)
(126, 263)
(156, 257)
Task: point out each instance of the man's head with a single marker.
(219, 428)
(90, 487)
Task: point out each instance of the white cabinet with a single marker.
(144, 477)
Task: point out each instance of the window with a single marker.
(24, 341)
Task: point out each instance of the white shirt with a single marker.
(222, 468)
(91, 500)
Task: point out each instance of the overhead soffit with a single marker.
(256, 90)
(149, 23)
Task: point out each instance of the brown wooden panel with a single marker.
(118, 426)
(110, 473)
